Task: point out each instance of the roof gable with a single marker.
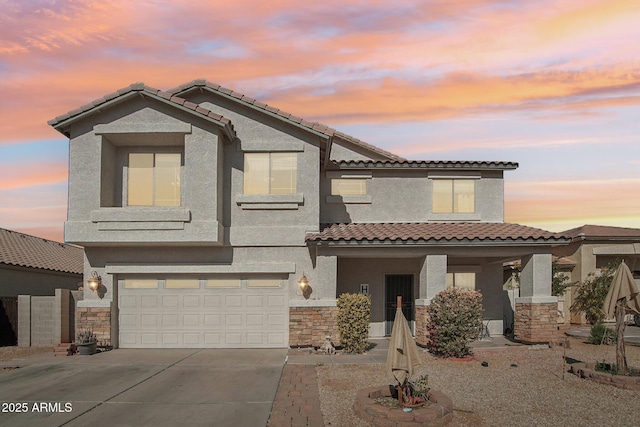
(29, 251)
(61, 123)
(314, 127)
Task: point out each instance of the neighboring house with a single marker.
(35, 268)
(593, 247)
(31, 265)
(201, 209)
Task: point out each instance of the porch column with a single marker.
(433, 279)
(313, 319)
(326, 277)
(536, 317)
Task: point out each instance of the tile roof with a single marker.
(314, 126)
(29, 251)
(603, 231)
(426, 164)
(433, 232)
(150, 91)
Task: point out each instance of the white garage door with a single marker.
(186, 313)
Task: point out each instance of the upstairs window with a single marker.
(154, 179)
(348, 187)
(454, 196)
(270, 173)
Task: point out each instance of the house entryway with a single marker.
(398, 285)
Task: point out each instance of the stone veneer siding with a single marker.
(97, 319)
(310, 326)
(536, 322)
(422, 319)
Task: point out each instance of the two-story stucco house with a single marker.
(201, 209)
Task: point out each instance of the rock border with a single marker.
(438, 413)
(588, 371)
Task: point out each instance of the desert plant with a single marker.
(354, 312)
(600, 334)
(86, 336)
(591, 293)
(420, 386)
(455, 316)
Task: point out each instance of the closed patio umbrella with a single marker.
(403, 356)
(622, 297)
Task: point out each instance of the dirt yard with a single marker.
(521, 386)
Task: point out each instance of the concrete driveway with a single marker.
(160, 387)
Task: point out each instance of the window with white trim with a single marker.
(270, 173)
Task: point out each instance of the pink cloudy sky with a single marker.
(551, 84)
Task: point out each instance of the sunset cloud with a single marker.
(551, 82)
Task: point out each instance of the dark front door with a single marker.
(398, 285)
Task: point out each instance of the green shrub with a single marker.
(600, 334)
(590, 295)
(455, 317)
(420, 386)
(354, 312)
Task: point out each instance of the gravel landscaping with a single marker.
(531, 393)
(14, 352)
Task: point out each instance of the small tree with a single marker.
(354, 312)
(455, 317)
(559, 280)
(590, 294)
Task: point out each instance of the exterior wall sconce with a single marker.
(94, 282)
(303, 282)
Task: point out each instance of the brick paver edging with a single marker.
(588, 371)
(438, 412)
(297, 402)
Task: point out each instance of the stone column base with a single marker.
(97, 319)
(310, 326)
(422, 320)
(536, 322)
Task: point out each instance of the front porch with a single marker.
(420, 270)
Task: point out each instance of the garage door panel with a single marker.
(233, 320)
(149, 320)
(255, 338)
(203, 317)
(255, 319)
(212, 301)
(191, 320)
(191, 339)
(276, 301)
(213, 320)
(191, 301)
(148, 301)
(148, 339)
(233, 339)
(255, 301)
(170, 320)
(276, 320)
(127, 301)
(233, 301)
